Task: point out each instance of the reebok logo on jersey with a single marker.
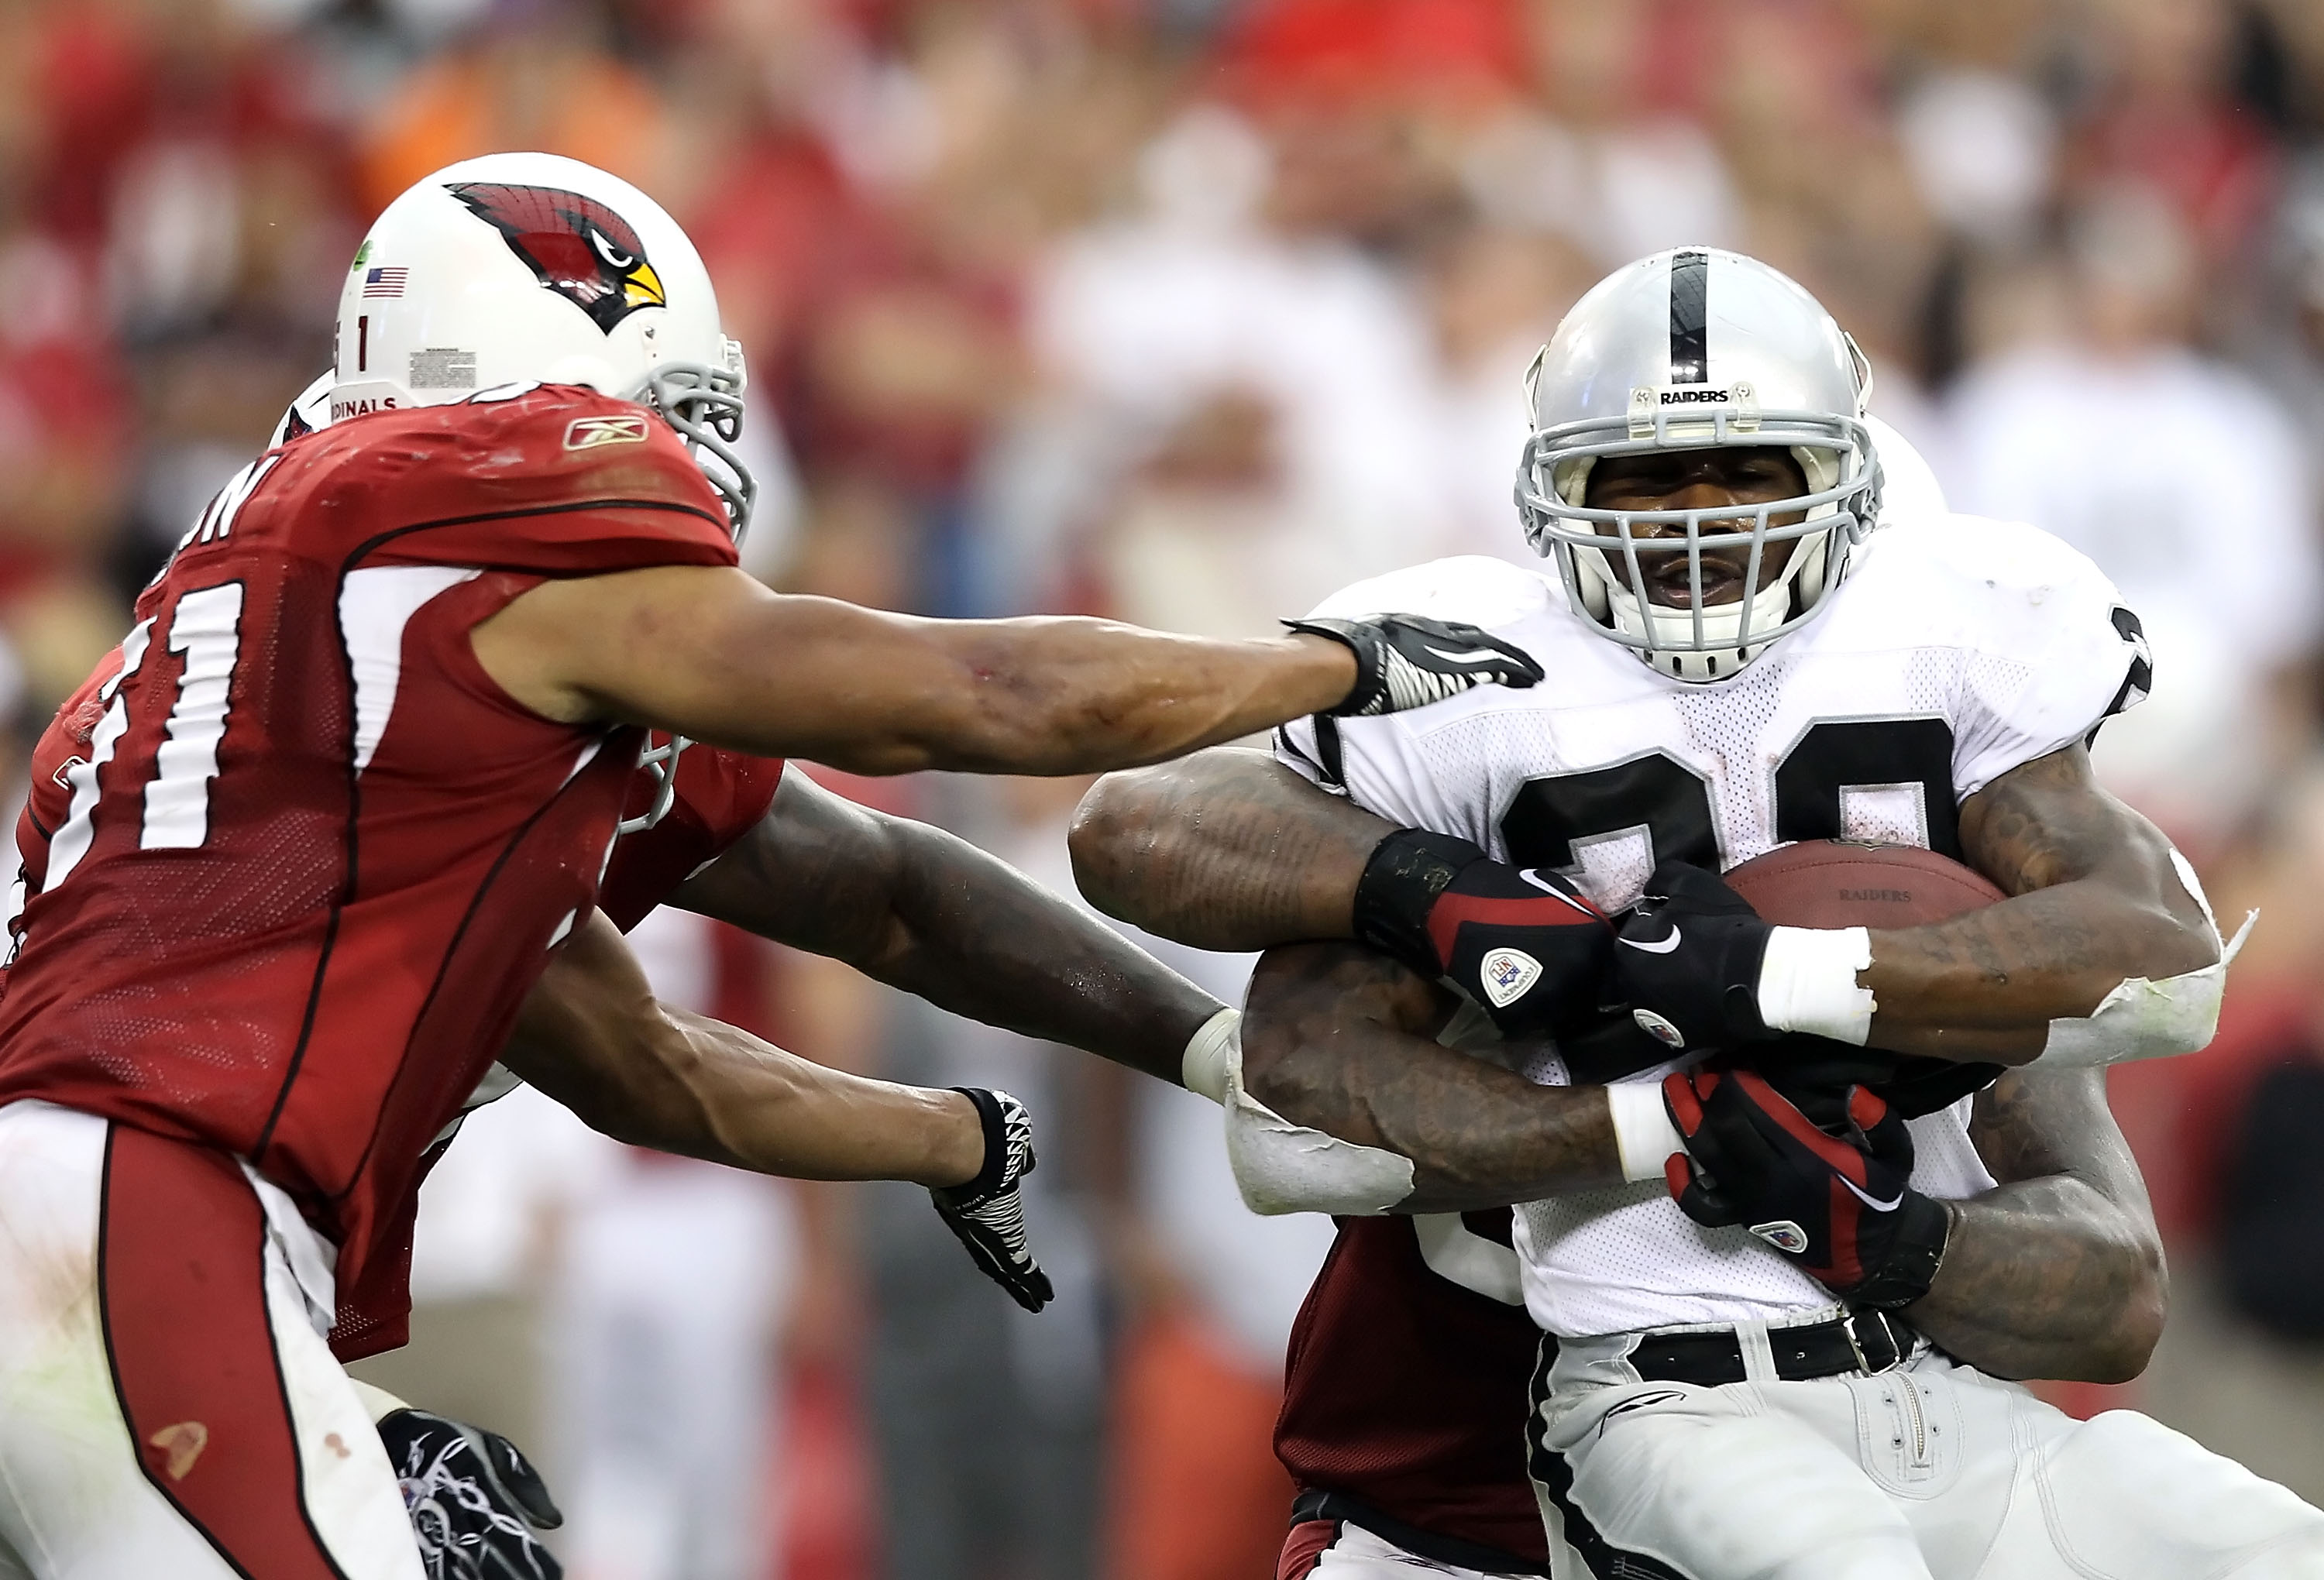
(1506, 974)
(591, 433)
(1656, 1028)
(1784, 1234)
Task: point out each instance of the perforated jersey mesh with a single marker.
(2013, 654)
(315, 978)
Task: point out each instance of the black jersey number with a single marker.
(1552, 817)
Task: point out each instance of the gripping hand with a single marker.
(475, 1500)
(987, 1215)
(1838, 1205)
(1407, 661)
(1688, 961)
(1814, 1075)
(1528, 946)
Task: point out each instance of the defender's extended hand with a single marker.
(1528, 947)
(988, 1213)
(1840, 1205)
(1688, 961)
(475, 1500)
(1408, 661)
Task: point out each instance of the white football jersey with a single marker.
(1957, 649)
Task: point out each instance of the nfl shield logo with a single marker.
(1659, 1029)
(1784, 1234)
(1506, 974)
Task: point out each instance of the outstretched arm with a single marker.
(709, 653)
(593, 1037)
(2059, 1272)
(921, 910)
(1341, 1039)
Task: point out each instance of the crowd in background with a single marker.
(1189, 311)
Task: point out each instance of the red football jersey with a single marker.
(722, 796)
(306, 856)
(1406, 1391)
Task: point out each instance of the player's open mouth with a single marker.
(1668, 584)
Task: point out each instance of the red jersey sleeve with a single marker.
(552, 482)
(722, 796)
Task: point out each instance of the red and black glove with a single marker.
(1815, 1075)
(1840, 1205)
(1528, 946)
(1689, 961)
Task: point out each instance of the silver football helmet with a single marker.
(1696, 349)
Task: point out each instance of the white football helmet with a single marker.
(527, 268)
(1695, 349)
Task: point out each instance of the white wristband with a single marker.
(1212, 1054)
(1807, 982)
(1643, 1132)
(378, 1402)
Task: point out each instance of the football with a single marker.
(1848, 883)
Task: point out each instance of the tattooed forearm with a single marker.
(2094, 900)
(1341, 1039)
(2059, 1271)
(1225, 850)
(921, 910)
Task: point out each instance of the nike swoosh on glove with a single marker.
(1687, 961)
(987, 1215)
(1529, 947)
(1840, 1205)
(475, 1500)
(1409, 661)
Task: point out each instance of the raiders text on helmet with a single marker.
(526, 268)
(1688, 350)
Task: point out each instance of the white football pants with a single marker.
(1931, 1471)
(1356, 1553)
(167, 1408)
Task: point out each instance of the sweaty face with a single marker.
(1699, 480)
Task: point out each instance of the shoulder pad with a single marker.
(1480, 590)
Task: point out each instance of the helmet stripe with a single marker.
(1690, 355)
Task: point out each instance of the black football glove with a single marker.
(1840, 1205)
(1814, 1075)
(475, 1500)
(987, 1215)
(1606, 1046)
(1528, 946)
(1407, 661)
(1687, 961)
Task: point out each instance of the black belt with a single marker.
(1314, 1503)
(1863, 1342)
